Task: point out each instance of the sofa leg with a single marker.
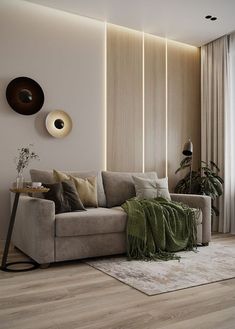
(205, 244)
(44, 266)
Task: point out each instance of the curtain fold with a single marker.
(214, 116)
(230, 140)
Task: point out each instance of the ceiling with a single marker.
(180, 20)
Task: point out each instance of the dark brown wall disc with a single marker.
(25, 96)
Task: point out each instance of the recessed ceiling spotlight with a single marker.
(212, 18)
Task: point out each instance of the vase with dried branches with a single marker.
(25, 155)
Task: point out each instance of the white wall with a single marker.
(64, 53)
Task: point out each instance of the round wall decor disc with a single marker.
(25, 96)
(58, 124)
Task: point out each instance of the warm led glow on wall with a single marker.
(183, 45)
(105, 96)
(143, 104)
(124, 28)
(166, 172)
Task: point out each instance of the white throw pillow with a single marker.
(151, 188)
(162, 187)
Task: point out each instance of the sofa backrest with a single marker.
(119, 186)
(46, 177)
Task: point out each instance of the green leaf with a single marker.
(214, 165)
(220, 179)
(182, 168)
(217, 185)
(182, 186)
(215, 210)
(186, 160)
(204, 168)
(205, 181)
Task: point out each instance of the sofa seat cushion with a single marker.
(92, 221)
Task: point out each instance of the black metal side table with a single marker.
(5, 265)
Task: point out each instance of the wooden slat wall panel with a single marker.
(183, 105)
(124, 100)
(155, 104)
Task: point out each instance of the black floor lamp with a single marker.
(188, 151)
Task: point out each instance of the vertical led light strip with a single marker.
(143, 105)
(166, 87)
(105, 95)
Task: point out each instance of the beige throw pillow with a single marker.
(151, 188)
(86, 187)
(59, 176)
(87, 190)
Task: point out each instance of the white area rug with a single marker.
(210, 264)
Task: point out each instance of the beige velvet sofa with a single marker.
(47, 237)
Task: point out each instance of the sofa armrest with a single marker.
(34, 230)
(202, 202)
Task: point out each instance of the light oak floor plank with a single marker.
(74, 295)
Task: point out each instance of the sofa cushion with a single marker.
(43, 176)
(65, 197)
(46, 177)
(146, 188)
(86, 187)
(119, 186)
(71, 194)
(56, 195)
(92, 221)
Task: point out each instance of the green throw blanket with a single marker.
(157, 228)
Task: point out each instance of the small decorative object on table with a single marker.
(24, 157)
(37, 185)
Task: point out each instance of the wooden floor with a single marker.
(75, 295)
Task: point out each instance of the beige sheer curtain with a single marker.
(230, 141)
(214, 117)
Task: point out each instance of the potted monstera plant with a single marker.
(204, 181)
